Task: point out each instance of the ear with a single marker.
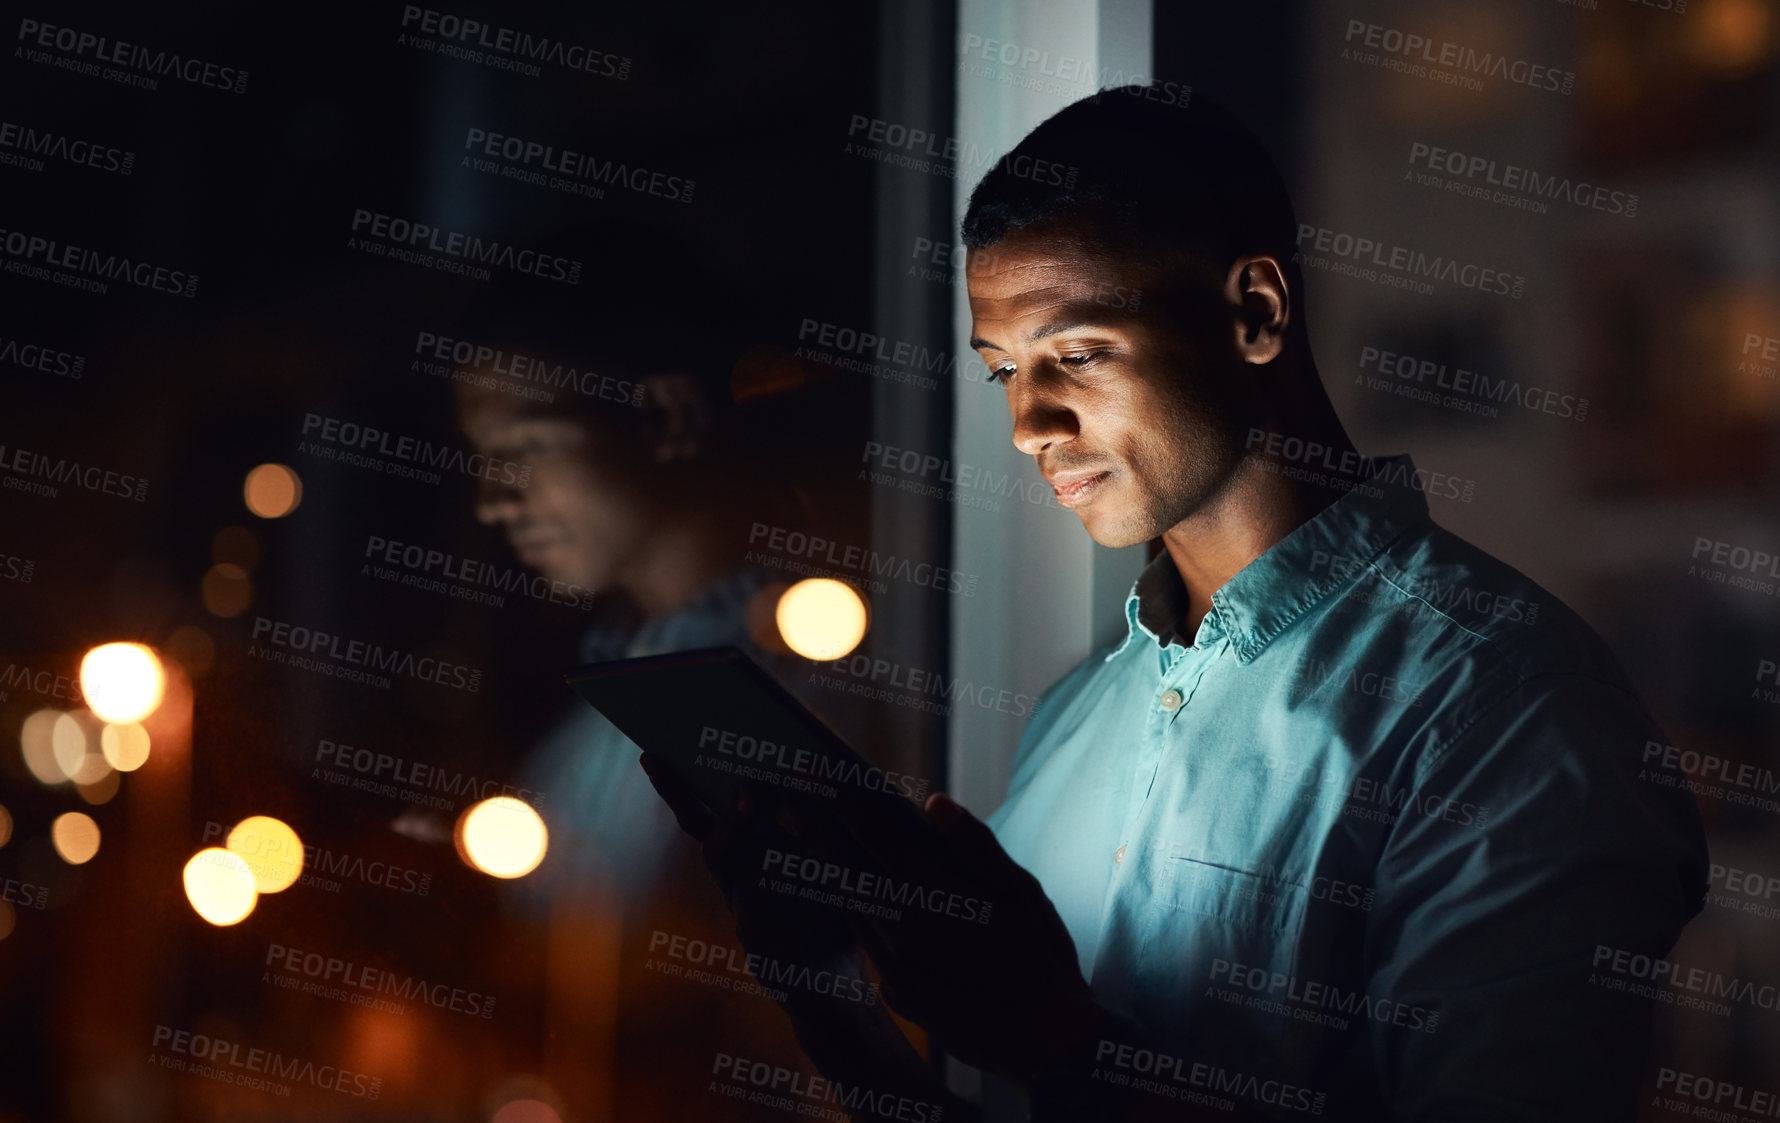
(1256, 288)
(681, 415)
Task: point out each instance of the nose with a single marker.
(1041, 419)
(497, 502)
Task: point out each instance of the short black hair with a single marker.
(587, 348)
(1173, 184)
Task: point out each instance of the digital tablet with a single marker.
(719, 719)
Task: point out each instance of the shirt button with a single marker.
(1171, 700)
(1119, 854)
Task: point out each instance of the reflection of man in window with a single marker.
(1335, 828)
(634, 503)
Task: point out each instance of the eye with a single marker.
(530, 445)
(999, 375)
(1080, 360)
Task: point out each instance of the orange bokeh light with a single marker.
(272, 491)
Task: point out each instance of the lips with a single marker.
(531, 547)
(1075, 488)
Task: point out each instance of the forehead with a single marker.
(487, 412)
(1034, 271)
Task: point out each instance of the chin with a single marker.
(1112, 531)
(586, 577)
(589, 583)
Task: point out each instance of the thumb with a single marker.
(973, 844)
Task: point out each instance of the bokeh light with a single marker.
(74, 742)
(526, 1111)
(271, 849)
(1732, 36)
(220, 886)
(125, 745)
(227, 590)
(5, 826)
(502, 837)
(75, 836)
(122, 681)
(194, 649)
(272, 491)
(101, 790)
(37, 742)
(821, 618)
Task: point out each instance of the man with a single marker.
(1328, 832)
(621, 503)
(634, 503)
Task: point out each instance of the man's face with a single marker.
(1128, 412)
(580, 516)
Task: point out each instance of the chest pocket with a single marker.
(1258, 901)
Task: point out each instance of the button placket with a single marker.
(1144, 768)
(1179, 670)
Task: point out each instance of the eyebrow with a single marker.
(1043, 331)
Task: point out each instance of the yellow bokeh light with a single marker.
(271, 849)
(125, 745)
(272, 491)
(821, 618)
(76, 837)
(76, 749)
(502, 837)
(5, 826)
(122, 682)
(227, 590)
(37, 741)
(220, 886)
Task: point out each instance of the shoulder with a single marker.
(1475, 632)
(1530, 716)
(1518, 621)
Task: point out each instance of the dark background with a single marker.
(255, 194)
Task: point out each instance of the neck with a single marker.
(1254, 507)
(684, 557)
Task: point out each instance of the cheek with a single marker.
(601, 500)
(558, 485)
(553, 485)
(1139, 425)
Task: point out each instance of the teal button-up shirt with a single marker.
(1353, 849)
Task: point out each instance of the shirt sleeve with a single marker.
(1497, 923)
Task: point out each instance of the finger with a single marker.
(906, 983)
(883, 829)
(906, 942)
(738, 845)
(877, 943)
(692, 815)
(736, 827)
(874, 939)
(973, 845)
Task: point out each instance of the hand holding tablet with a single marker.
(819, 853)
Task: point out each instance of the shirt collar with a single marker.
(717, 616)
(1295, 573)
